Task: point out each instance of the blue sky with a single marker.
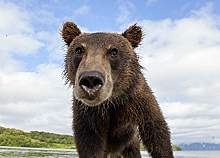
(180, 51)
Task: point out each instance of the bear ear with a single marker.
(134, 35)
(69, 32)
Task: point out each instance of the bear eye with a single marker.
(79, 51)
(113, 53)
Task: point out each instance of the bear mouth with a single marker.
(91, 94)
(92, 88)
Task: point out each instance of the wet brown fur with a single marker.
(126, 107)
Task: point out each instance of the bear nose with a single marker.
(91, 80)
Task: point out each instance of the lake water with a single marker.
(17, 152)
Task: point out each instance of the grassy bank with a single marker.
(19, 138)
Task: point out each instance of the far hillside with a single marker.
(19, 138)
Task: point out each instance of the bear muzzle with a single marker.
(91, 82)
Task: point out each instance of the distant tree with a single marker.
(176, 148)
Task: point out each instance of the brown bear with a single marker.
(113, 106)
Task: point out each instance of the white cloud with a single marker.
(31, 100)
(150, 2)
(84, 9)
(14, 19)
(35, 100)
(182, 60)
(16, 33)
(124, 15)
(20, 44)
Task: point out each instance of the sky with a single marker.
(180, 52)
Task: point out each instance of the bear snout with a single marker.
(91, 82)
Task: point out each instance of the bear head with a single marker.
(101, 66)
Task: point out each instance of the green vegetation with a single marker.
(19, 138)
(176, 148)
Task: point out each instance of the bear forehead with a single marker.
(101, 38)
